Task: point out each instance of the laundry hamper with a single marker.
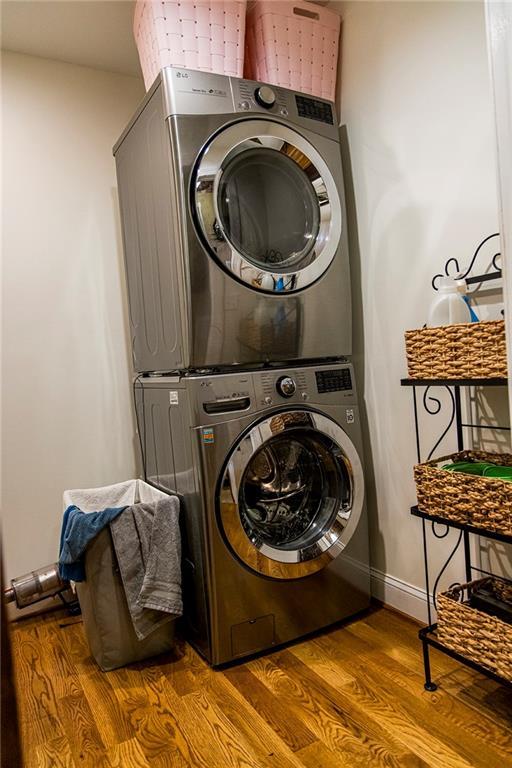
(293, 44)
(194, 34)
(107, 621)
(478, 636)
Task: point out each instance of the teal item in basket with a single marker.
(499, 473)
(471, 467)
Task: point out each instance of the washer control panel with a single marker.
(327, 383)
(335, 380)
(286, 386)
(279, 386)
(219, 396)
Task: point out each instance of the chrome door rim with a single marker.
(273, 561)
(251, 134)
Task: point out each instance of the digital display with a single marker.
(333, 381)
(314, 109)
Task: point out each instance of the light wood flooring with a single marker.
(351, 697)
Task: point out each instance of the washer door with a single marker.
(267, 206)
(291, 494)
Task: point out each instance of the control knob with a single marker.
(265, 96)
(286, 386)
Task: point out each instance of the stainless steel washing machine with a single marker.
(269, 464)
(233, 221)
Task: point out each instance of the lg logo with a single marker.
(182, 74)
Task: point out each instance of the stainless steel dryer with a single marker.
(269, 464)
(233, 220)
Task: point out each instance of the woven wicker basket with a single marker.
(484, 502)
(465, 351)
(484, 639)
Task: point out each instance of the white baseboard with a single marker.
(399, 594)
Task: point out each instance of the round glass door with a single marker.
(268, 209)
(291, 494)
(267, 206)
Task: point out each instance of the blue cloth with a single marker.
(78, 529)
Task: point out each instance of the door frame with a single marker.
(499, 44)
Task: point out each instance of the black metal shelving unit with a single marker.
(428, 635)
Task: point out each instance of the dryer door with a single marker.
(291, 494)
(267, 206)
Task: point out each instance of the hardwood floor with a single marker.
(352, 697)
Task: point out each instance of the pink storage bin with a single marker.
(196, 34)
(294, 45)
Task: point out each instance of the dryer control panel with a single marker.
(315, 113)
(189, 92)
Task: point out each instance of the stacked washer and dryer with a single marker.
(233, 219)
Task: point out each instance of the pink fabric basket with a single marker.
(294, 45)
(194, 34)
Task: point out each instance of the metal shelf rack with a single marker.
(427, 635)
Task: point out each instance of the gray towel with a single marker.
(148, 548)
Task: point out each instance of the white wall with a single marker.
(66, 397)
(415, 97)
